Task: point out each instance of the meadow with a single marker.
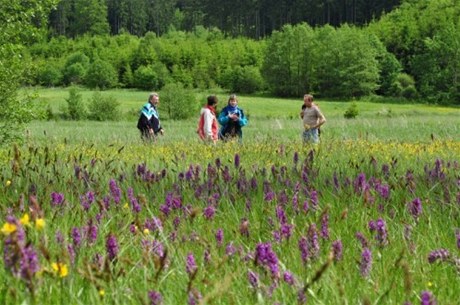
(91, 215)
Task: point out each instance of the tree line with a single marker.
(411, 52)
(255, 18)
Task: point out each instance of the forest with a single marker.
(410, 52)
(254, 19)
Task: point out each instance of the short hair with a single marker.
(212, 100)
(232, 97)
(152, 95)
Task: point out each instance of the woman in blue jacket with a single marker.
(232, 119)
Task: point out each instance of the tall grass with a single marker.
(269, 192)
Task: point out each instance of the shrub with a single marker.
(180, 103)
(404, 86)
(102, 75)
(145, 78)
(50, 75)
(104, 108)
(75, 109)
(352, 111)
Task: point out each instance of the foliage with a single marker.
(18, 26)
(101, 74)
(146, 78)
(352, 111)
(49, 74)
(75, 108)
(103, 108)
(404, 86)
(194, 223)
(179, 103)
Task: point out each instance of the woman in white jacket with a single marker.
(207, 125)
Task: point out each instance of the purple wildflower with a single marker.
(313, 240)
(286, 230)
(56, 199)
(230, 249)
(415, 208)
(190, 265)
(112, 247)
(76, 237)
(439, 254)
(381, 236)
(314, 200)
(155, 298)
(136, 207)
(288, 278)
(303, 247)
(91, 232)
(237, 160)
(253, 279)
(219, 237)
(427, 298)
(301, 297)
(337, 250)
(296, 158)
(115, 191)
(209, 212)
(366, 262)
(265, 256)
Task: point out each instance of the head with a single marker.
(232, 100)
(308, 100)
(212, 100)
(154, 99)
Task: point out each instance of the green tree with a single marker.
(18, 26)
(102, 75)
(90, 17)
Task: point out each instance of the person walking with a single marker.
(207, 125)
(149, 119)
(312, 119)
(232, 119)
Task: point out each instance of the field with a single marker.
(91, 215)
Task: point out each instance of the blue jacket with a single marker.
(230, 128)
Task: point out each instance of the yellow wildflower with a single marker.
(146, 231)
(8, 183)
(429, 284)
(101, 292)
(25, 220)
(60, 269)
(8, 228)
(126, 206)
(40, 223)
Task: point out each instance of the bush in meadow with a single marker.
(179, 102)
(103, 108)
(75, 108)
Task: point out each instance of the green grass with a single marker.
(418, 144)
(269, 119)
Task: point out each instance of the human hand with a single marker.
(306, 126)
(162, 131)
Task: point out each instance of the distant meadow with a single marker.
(93, 215)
